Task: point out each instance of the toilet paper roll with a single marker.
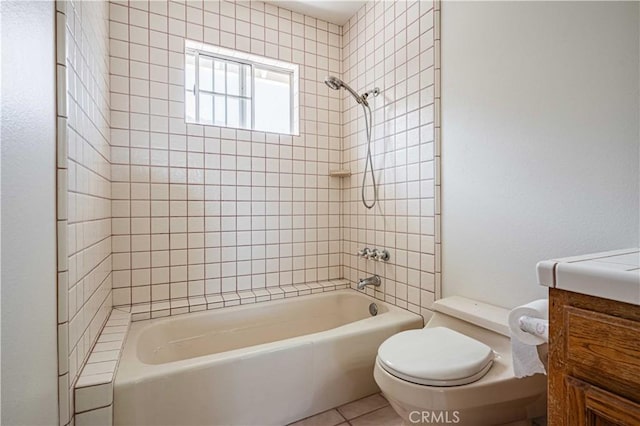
(526, 360)
(529, 325)
(535, 315)
(535, 326)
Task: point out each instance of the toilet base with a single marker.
(512, 413)
(501, 402)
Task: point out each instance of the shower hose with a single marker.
(369, 161)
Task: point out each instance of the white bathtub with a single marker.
(263, 364)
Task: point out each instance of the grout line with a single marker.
(340, 414)
(370, 412)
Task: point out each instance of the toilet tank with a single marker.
(480, 314)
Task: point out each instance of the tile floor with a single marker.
(372, 410)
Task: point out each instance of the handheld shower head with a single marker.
(335, 83)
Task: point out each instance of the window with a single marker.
(233, 89)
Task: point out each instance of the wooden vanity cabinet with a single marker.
(594, 361)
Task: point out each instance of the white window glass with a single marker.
(220, 108)
(206, 74)
(273, 101)
(206, 108)
(246, 107)
(220, 77)
(239, 93)
(189, 88)
(247, 80)
(190, 105)
(233, 112)
(233, 79)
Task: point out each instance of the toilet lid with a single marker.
(436, 356)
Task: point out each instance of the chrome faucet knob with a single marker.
(375, 254)
(383, 255)
(364, 252)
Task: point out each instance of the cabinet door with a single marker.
(592, 406)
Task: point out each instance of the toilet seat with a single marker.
(436, 356)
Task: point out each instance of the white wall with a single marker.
(29, 379)
(540, 139)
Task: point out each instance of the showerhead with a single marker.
(335, 83)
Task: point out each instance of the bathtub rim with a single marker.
(131, 369)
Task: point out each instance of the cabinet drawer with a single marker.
(603, 349)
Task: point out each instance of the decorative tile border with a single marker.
(93, 391)
(144, 311)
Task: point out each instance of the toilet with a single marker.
(458, 370)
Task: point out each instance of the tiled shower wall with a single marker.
(394, 46)
(84, 187)
(202, 210)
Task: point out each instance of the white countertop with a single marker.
(611, 275)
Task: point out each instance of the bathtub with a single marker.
(262, 364)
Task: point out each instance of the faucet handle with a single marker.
(364, 252)
(381, 255)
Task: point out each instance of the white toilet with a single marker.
(458, 370)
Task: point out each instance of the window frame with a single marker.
(253, 65)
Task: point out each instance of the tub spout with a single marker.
(374, 281)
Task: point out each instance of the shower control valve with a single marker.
(381, 255)
(365, 252)
(374, 254)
